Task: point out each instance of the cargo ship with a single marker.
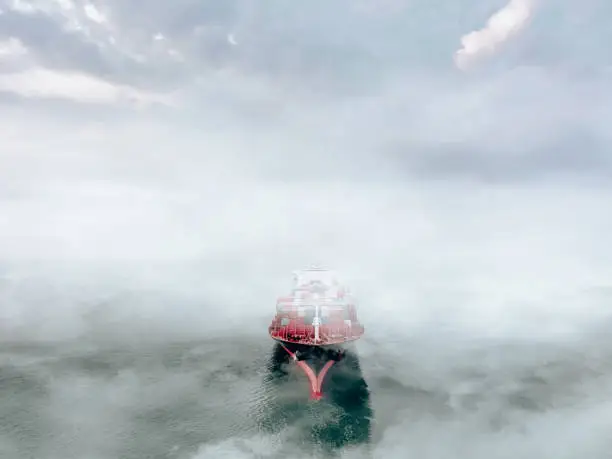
(316, 322)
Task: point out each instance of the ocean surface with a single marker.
(241, 398)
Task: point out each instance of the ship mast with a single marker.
(316, 322)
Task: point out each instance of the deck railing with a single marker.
(305, 333)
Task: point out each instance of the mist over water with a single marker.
(153, 208)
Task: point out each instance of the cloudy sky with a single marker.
(492, 91)
(164, 165)
(429, 149)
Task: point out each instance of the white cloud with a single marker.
(31, 80)
(65, 4)
(11, 48)
(502, 26)
(23, 6)
(94, 14)
(78, 87)
(45, 6)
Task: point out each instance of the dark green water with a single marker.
(171, 401)
(244, 399)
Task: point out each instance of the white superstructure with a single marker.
(316, 294)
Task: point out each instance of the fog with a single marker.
(459, 182)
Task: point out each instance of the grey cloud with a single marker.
(577, 155)
(316, 43)
(51, 44)
(376, 88)
(570, 34)
(54, 47)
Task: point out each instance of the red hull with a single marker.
(296, 333)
